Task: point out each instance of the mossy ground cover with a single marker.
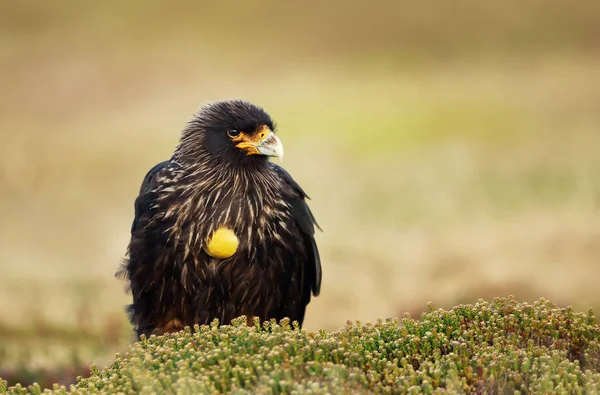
(498, 347)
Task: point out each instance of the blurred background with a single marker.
(450, 151)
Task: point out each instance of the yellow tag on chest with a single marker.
(222, 244)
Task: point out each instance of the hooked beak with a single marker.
(271, 146)
(265, 143)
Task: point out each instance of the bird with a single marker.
(219, 230)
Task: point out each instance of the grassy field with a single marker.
(446, 161)
(498, 347)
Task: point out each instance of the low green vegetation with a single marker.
(498, 347)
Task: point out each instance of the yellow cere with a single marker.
(222, 244)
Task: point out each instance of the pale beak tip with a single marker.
(278, 148)
(271, 146)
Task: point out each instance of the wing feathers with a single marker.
(306, 223)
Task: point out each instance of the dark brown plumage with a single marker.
(220, 175)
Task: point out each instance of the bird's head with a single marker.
(233, 131)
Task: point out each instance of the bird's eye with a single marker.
(233, 133)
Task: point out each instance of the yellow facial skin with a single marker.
(222, 244)
(262, 142)
(250, 143)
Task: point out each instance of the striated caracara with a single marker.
(220, 231)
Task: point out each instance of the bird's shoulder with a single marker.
(157, 178)
(288, 180)
(160, 174)
(297, 197)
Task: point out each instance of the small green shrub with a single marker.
(498, 347)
